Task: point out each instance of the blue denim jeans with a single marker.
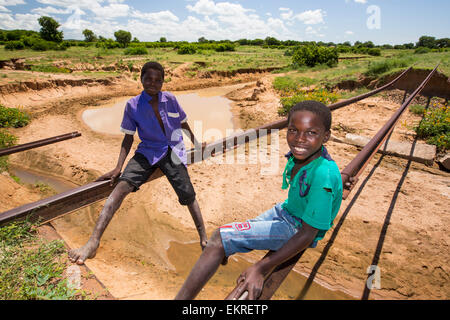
(268, 231)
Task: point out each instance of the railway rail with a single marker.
(38, 143)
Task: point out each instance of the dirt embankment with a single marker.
(398, 221)
(438, 86)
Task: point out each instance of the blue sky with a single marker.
(380, 21)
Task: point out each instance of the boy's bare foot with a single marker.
(79, 255)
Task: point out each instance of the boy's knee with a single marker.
(123, 188)
(215, 240)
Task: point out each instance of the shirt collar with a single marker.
(323, 154)
(161, 96)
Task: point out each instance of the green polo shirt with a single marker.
(318, 207)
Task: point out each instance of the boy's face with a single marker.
(305, 135)
(152, 81)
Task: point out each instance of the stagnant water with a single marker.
(208, 112)
(181, 254)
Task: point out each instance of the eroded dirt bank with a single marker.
(400, 214)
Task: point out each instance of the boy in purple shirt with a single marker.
(158, 118)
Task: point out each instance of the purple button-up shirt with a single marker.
(139, 114)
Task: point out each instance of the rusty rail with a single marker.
(353, 169)
(38, 143)
(281, 124)
(357, 165)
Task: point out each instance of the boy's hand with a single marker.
(350, 183)
(203, 242)
(113, 175)
(252, 281)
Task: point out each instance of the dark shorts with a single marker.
(138, 170)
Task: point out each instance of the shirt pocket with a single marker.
(173, 114)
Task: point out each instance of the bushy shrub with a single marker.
(135, 51)
(12, 117)
(322, 95)
(312, 55)
(42, 45)
(422, 50)
(221, 47)
(374, 51)
(186, 49)
(6, 139)
(435, 127)
(107, 44)
(15, 45)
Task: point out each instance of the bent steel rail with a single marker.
(38, 143)
(357, 165)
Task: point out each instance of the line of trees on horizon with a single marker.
(50, 38)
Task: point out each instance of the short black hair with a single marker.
(152, 65)
(316, 107)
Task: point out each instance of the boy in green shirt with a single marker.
(314, 198)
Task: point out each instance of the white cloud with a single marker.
(114, 10)
(3, 9)
(11, 2)
(349, 32)
(50, 10)
(310, 30)
(155, 16)
(19, 21)
(311, 16)
(314, 32)
(208, 7)
(208, 18)
(286, 14)
(357, 1)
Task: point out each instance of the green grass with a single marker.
(243, 57)
(417, 109)
(29, 267)
(292, 82)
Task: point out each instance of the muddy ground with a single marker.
(396, 218)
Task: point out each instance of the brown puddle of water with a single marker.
(209, 114)
(32, 177)
(184, 255)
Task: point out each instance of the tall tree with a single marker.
(427, 41)
(89, 35)
(123, 37)
(49, 29)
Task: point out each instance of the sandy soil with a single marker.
(398, 221)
